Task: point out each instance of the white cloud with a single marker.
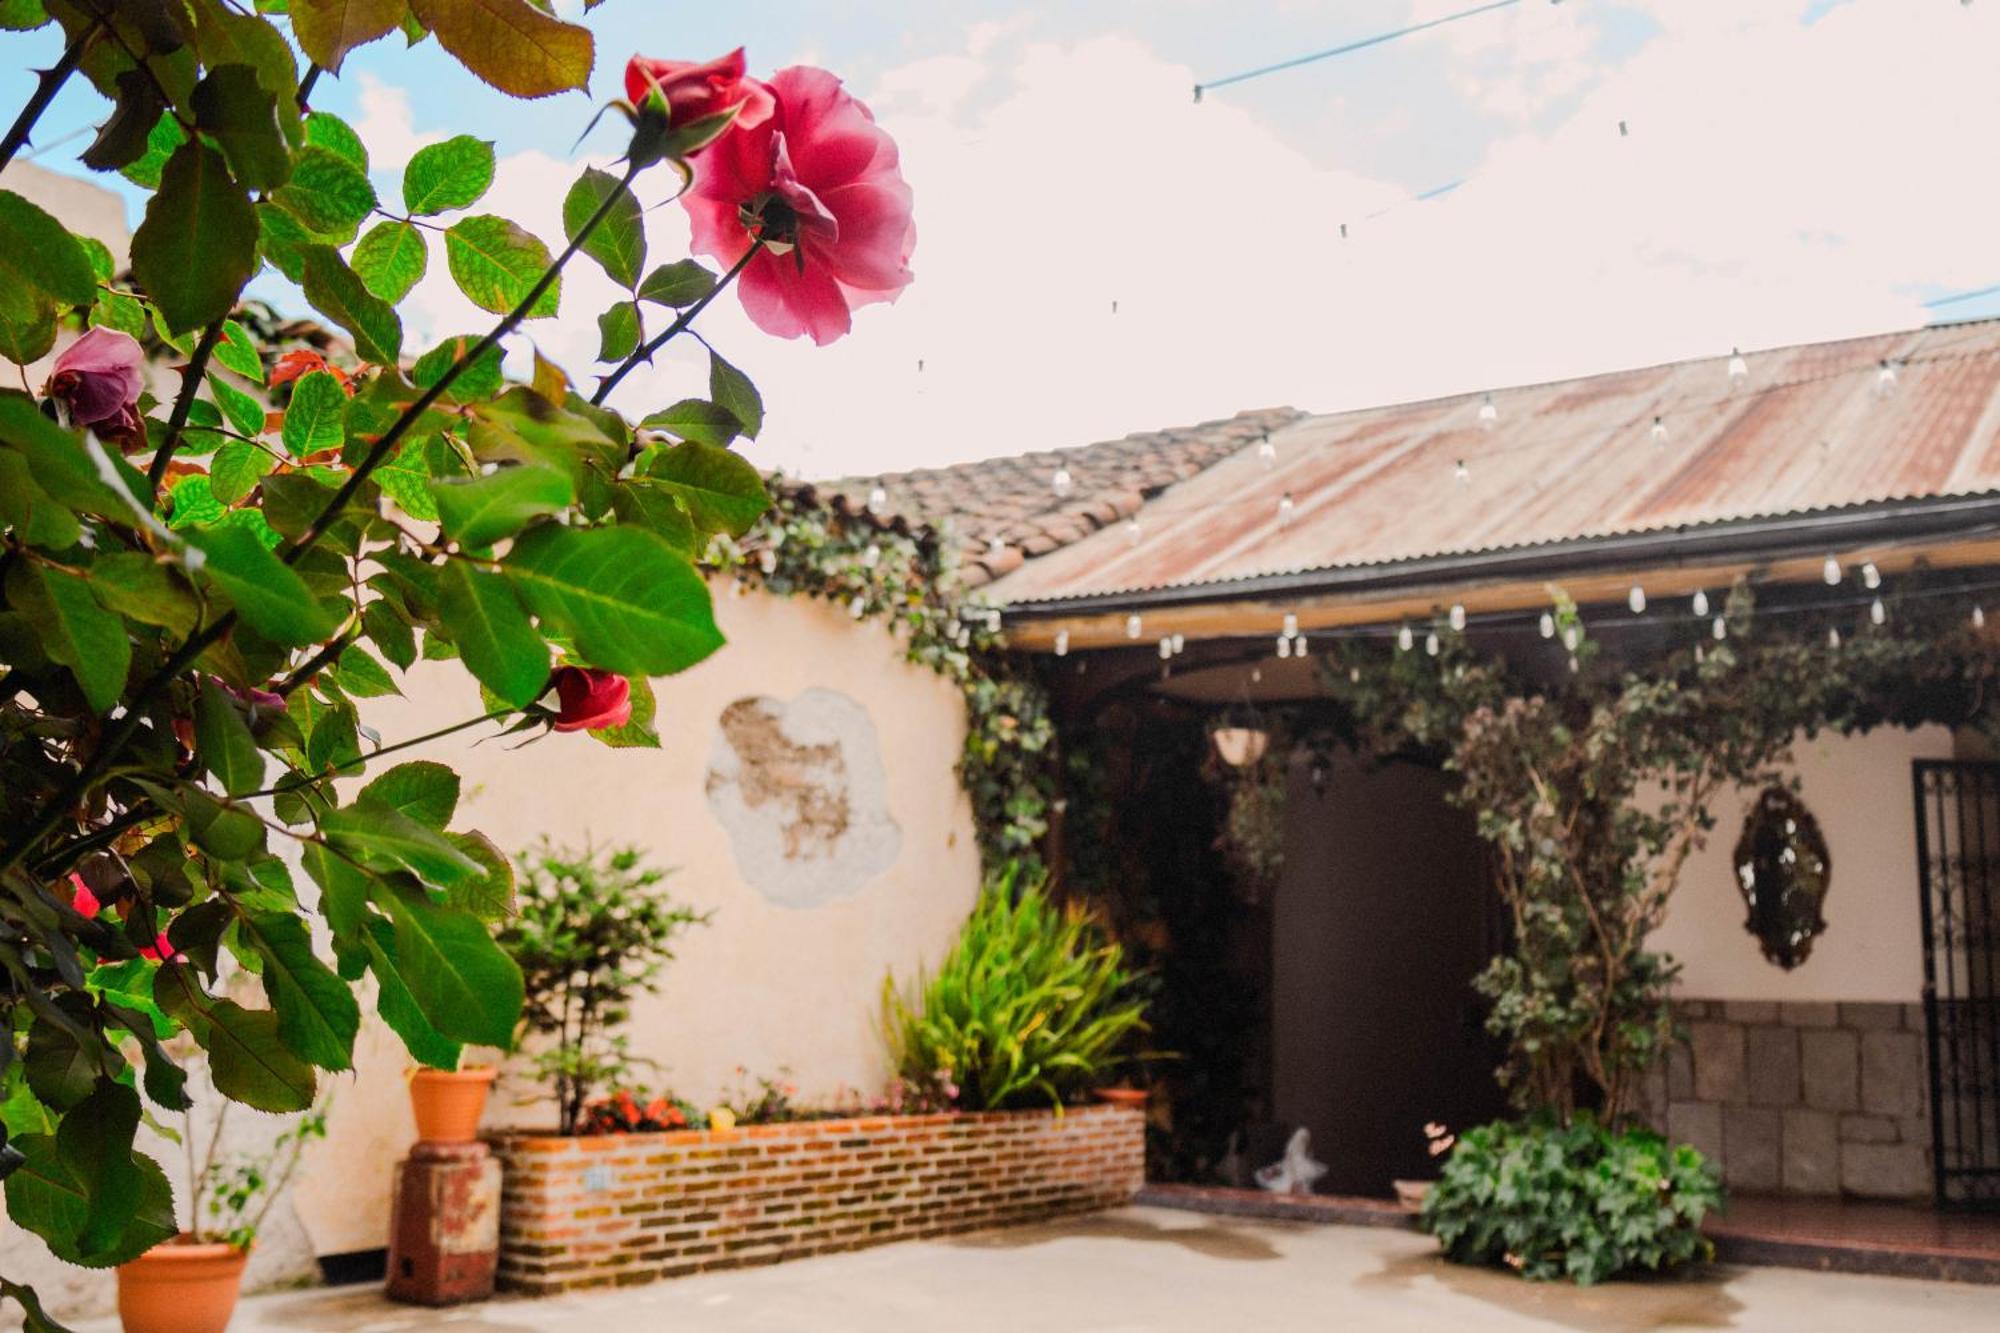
(1781, 182)
(384, 125)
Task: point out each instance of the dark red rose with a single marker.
(590, 700)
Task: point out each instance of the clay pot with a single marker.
(1134, 1097)
(181, 1287)
(449, 1102)
(1411, 1193)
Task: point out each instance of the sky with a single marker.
(1635, 181)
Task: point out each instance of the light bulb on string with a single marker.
(1461, 473)
(1062, 483)
(1572, 636)
(1700, 603)
(1458, 616)
(1548, 625)
(1299, 646)
(1291, 630)
(1180, 643)
(1885, 378)
(1132, 627)
(1659, 431)
(1700, 654)
(871, 557)
(1739, 369)
(1830, 571)
(1574, 665)
(1636, 599)
(1489, 415)
(767, 560)
(1132, 530)
(1721, 628)
(878, 498)
(1877, 612)
(1284, 646)
(995, 548)
(1405, 639)
(1833, 639)
(1431, 644)
(1166, 648)
(1267, 453)
(1285, 508)
(859, 607)
(1979, 617)
(1871, 577)
(1062, 643)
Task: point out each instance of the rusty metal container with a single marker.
(444, 1224)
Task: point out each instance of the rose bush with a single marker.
(205, 579)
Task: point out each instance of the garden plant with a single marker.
(214, 539)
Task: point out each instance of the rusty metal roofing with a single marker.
(1802, 429)
(1004, 511)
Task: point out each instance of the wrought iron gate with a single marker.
(1958, 859)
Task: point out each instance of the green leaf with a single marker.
(292, 500)
(121, 311)
(328, 29)
(94, 1142)
(236, 351)
(638, 731)
(618, 332)
(361, 676)
(377, 832)
(482, 510)
(237, 111)
(479, 380)
(695, 419)
(496, 264)
(137, 586)
(493, 634)
(618, 243)
(735, 394)
(491, 896)
(468, 988)
(511, 44)
(399, 1008)
(269, 595)
(45, 1198)
(198, 243)
(336, 136)
(721, 490)
(344, 890)
(391, 259)
(317, 1016)
(338, 293)
(162, 140)
(328, 194)
(61, 467)
(424, 790)
(22, 15)
(245, 414)
(61, 1069)
(227, 748)
(38, 252)
(448, 175)
(73, 629)
(236, 470)
(316, 418)
(642, 504)
(678, 284)
(248, 1060)
(631, 603)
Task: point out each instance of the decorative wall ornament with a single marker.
(1783, 870)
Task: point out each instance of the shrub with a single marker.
(592, 930)
(1579, 1201)
(1032, 1004)
(628, 1112)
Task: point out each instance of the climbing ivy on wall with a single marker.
(1008, 765)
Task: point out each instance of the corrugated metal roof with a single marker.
(1808, 428)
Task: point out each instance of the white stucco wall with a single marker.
(1859, 789)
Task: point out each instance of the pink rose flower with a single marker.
(98, 378)
(589, 699)
(820, 183)
(695, 90)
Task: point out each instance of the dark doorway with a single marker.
(1383, 915)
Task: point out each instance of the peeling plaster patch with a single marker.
(801, 790)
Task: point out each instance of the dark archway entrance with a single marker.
(1383, 915)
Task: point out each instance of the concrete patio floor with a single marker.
(1147, 1270)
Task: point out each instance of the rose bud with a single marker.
(589, 699)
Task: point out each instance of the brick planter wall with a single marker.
(1810, 1099)
(624, 1209)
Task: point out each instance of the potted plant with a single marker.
(590, 930)
(448, 1103)
(190, 1283)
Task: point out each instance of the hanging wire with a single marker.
(1349, 47)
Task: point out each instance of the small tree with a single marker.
(592, 931)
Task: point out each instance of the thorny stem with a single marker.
(47, 84)
(53, 811)
(191, 377)
(645, 352)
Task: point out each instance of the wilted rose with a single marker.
(98, 378)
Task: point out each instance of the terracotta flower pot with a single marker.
(1123, 1096)
(181, 1287)
(448, 1103)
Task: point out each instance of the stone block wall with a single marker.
(630, 1208)
(1808, 1099)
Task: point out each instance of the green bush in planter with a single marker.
(1576, 1201)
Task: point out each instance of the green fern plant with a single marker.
(1032, 1005)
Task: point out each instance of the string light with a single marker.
(1132, 530)
(1267, 453)
(1285, 508)
(1166, 649)
(1885, 379)
(1830, 571)
(1299, 646)
(1062, 482)
(1431, 643)
(1833, 639)
(1979, 617)
(1180, 643)
(1062, 643)
(1572, 636)
(1700, 603)
(1489, 415)
(1721, 628)
(1574, 665)
(1458, 616)
(1405, 639)
(1548, 625)
(1460, 472)
(1636, 599)
(1291, 630)
(1739, 369)
(1659, 432)
(1878, 612)
(878, 498)
(1132, 626)
(767, 560)
(995, 548)
(1871, 577)
(871, 557)
(859, 608)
